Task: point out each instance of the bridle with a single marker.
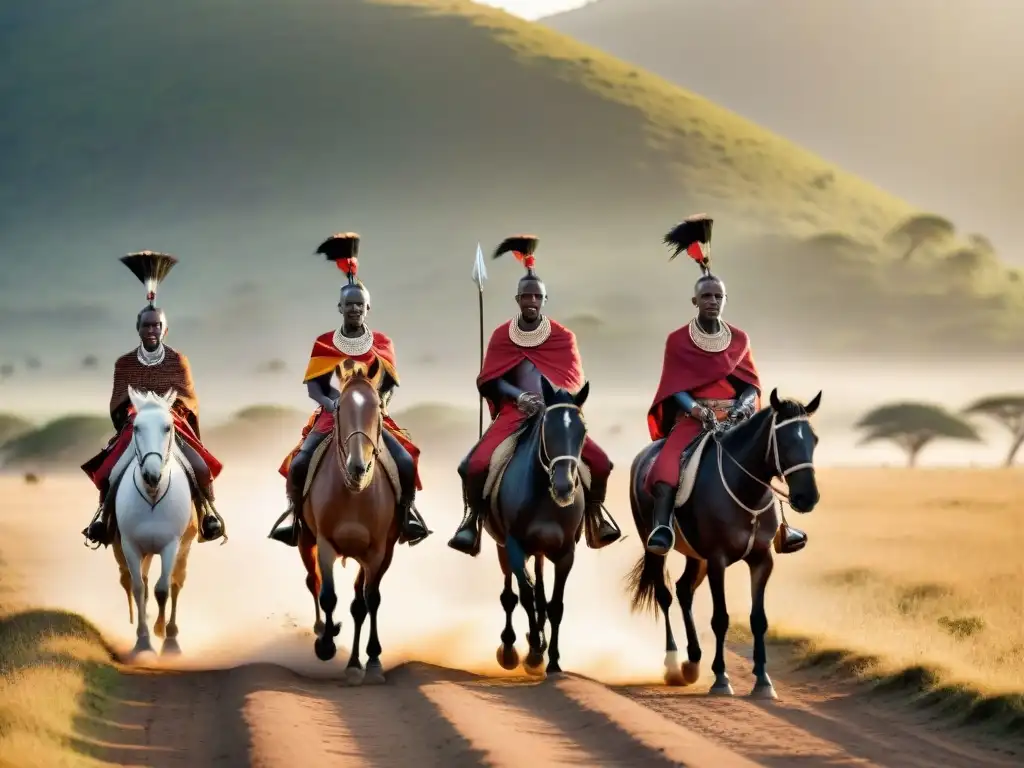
(141, 457)
(342, 454)
(773, 448)
(546, 461)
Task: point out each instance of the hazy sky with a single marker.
(535, 9)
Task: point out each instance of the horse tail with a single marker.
(643, 580)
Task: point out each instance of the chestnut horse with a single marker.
(349, 512)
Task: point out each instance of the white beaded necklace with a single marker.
(151, 358)
(711, 342)
(354, 346)
(533, 338)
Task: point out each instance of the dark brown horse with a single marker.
(540, 515)
(350, 513)
(730, 516)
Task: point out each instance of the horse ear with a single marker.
(135, 396)
(813, 405)
(547, 390)
(170, 396)
(581, 397)
(774, 399)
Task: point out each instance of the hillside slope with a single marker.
(886, 95)
(237, 135)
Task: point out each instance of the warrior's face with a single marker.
(531, 298)
(709, 298)
(151, 329)
(353, 306)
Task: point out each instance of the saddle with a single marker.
(688, 465)
(387, 463)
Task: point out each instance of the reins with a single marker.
(548, 463)
(343, 452)
(773, 447)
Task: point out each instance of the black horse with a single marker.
(729, 516)
(540, 514)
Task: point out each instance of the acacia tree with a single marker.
(1008, 410)
(920, 229)
(912, 426)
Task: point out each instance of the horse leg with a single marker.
(134, 562)
(177, 584)
(761, 564)
(686, 587)
(126, 578)
(719, 623)
(663, 596)
(556, 608)
(307, 551)
(535, 658)
(517, 561)
(374, 671)
(324, 644)
(168, 559)
(354, 670)
(508, 656)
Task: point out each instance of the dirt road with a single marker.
(267, 716)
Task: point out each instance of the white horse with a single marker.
(155, 516)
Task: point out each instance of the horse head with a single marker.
(358, 423)
(152, 434)
(562, 434)
(792, 442)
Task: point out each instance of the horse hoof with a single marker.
(534, 671)
(354, 676)
(554, 670)
(170, 647)
(764, 691)
(674, 677)
(374, 674)
(172, 631)
(508, 657)
(159, 629)
(324, 648)
(722, 687)
(534, 659)
(142, 646)
(691, 672)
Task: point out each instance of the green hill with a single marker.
(62, 444)
(238, 134)
(12, 426)
(258, 428)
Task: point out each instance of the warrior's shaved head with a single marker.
(709, 298)
(151, 324)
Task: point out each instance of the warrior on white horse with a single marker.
(152, 367)
(154, 509)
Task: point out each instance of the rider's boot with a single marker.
(98, 531)
(599, 526)
(412, 528)
(663, 537)
(211, 526)
(467, 537)
(789, 539)
(289, 534)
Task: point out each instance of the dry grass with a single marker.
(55, 671)
(913, 579)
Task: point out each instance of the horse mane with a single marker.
(143, 398)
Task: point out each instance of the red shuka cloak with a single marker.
(686, 367)
(558, 359)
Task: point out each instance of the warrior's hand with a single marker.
(529, 403)
(702, 414)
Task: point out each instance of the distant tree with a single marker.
(90, 362)
(6, 371)
(912, 426)
(1008, 410)
(965, 260)
(981, 244)
(33, 363)
(272, 366)
(920, 229)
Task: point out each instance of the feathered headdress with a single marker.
(343, 250)
(523, 248)
(151, 268)
(693, 235)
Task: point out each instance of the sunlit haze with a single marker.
(535, 9)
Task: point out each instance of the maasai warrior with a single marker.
(707, 376)
(356, 341)
(519, 353)
(155, 367)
